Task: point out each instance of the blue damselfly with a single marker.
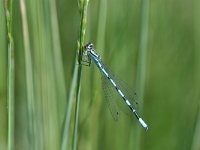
(94, 57)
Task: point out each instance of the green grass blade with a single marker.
(142, 52)
(11, 96)
(57, 60)
(65, 136)
(29, 77)
(196, 134)
(46, 77)
(83, 5)
(78, 90)
(101, 25)
(3, 78)
(11, 74)
(142, 61)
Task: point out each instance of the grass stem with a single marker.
(141, 62)
(11, 74)
(29, 77)
(83, 5)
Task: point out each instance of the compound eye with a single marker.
(89, 46)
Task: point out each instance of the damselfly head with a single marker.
(89, 46)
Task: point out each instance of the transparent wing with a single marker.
(110, 95)
(115, 102)
(127, 91)
(123, 86)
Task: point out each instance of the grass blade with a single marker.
(142, 56)
(141, 62)
(57, 57)
(3, 78)
(65, 132)
(29, 77)
(83, 5)
(75, 134)
(196, 134)
(11, 74)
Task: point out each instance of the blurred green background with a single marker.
(152, 45)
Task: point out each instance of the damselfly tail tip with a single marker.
(146, 128)
(144, 125)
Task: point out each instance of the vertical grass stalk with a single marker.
(196, 132)
(142, 57)
(83, 5)
(57, 55)
(100, 45)
(75, 134)
(69, 109)
(29, 76)
(195, 142)
(3, 78)
(101, 30)
(11, 74)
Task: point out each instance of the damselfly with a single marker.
(94, 57)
